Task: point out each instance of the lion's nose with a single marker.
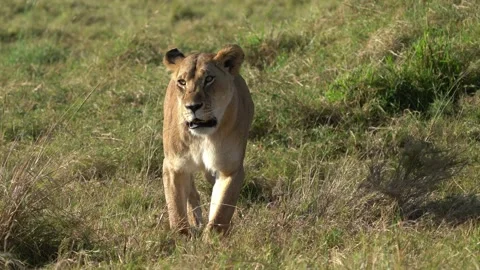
(194, 107)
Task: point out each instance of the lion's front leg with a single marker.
(177, 187)
(194, 207)
(224, 200)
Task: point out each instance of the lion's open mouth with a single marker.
(197, 123)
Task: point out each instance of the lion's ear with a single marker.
(231, 58)
(172, 58)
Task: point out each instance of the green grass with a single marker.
(364, 152)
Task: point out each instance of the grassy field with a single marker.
(364, 152)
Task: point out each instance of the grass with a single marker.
(364, 151)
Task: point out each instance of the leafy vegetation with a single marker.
(364, 151)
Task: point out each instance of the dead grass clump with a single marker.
(32, 228)
(262, 52)
(324, 191)
(8, 261)
(21, 199)
(391, 40)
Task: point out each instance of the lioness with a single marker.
(208, 111)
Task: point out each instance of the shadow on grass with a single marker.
(421, 170)
(255, 191)
(455, 210)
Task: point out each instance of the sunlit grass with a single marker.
(363, 153)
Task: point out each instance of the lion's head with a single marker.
(204, 85)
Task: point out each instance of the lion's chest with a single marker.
(213, 157)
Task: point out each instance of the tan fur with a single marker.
(217, 151)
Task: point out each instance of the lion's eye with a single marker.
(209, 79)
(181, 82)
